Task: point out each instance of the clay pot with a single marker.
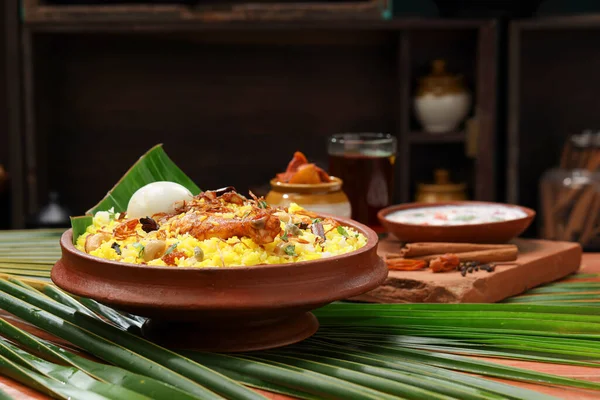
(223, 309)
(326, 198)
(493, 232)
(441, 190)
(442, 102)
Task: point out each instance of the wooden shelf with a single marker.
(575, 22)
(231, 83)
(425, 137)
(133, 24)
(40, 17)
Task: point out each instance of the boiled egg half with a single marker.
(157, 197)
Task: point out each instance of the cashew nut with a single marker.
(94, 241)
(154, 249)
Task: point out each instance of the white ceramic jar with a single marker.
(442, 102)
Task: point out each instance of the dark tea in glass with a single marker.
(365, 163)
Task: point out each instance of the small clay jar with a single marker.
(441, 190)
(325, 198)
(442, 101)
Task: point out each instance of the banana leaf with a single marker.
(80, 225)
(153, 166)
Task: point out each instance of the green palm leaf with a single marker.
(116, 346)
(315, 384)
(466, 364)
(510, 330)
(67, 375)
(482, 386)
(4, 395)
(141, 384)
(46, 385)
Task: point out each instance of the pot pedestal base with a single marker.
(207, 336)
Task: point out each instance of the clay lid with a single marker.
(440, 82)
(442, 183)
(333, 185)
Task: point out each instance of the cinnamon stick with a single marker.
(594, 161)
(566, 155)
(578, 216)
(591, 223)
(411, 250)
(565, 199)
(508, 253)
(549, 228)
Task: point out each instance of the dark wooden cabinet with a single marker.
(233, 101)
(11, 128)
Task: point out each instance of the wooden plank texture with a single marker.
(539, 262)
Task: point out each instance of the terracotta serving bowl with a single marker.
(223, 309)
(494, 232)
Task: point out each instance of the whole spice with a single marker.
(317, 229)
(116, 247)
(445, 263)
(400, 264)
(487, 267)
(474, 266)
(148, 224)
(302, 225)
(198, 254)
(292, 229)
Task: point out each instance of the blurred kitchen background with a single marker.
(233, 88)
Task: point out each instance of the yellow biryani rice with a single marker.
(222, 253)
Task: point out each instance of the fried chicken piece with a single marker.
(262, 226)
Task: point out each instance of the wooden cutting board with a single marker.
(539, 261)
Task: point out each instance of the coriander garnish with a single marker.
(140, 248)
(171, 248)
(342, 231)
(290, 250)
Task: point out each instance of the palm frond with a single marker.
(361, 350)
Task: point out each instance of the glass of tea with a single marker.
(365, 163)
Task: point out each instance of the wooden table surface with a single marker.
(591, 264)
